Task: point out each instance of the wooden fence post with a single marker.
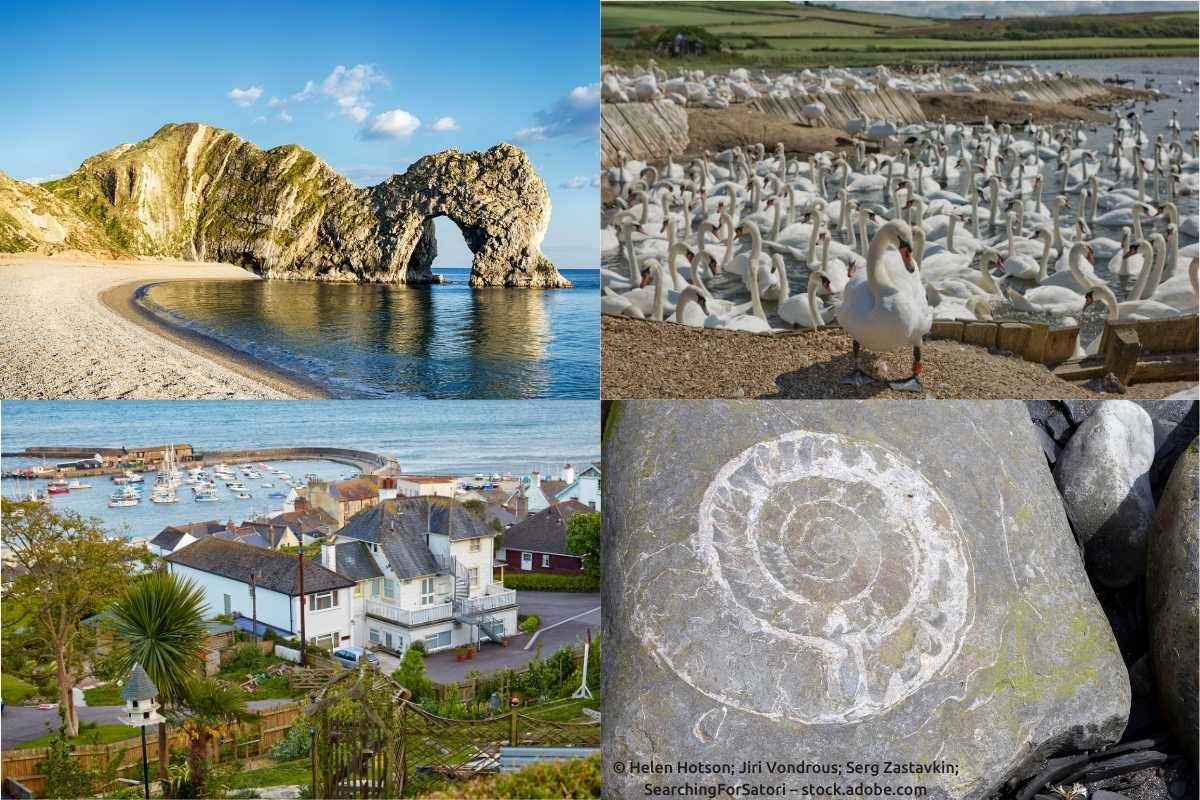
(512, 728)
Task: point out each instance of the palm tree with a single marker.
(159, 623)
(212, 708)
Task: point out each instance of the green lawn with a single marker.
(285, 773)
(101, 734)
(564, 711)
(15, 690)
(107, 695)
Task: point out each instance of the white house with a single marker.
(583, 487)
(422, 568)
(225, 570)
(425, 485)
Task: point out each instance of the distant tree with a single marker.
(159, 623)
(411, 674)
(66, 570)
(583, 540)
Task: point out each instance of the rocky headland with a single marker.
(198, 193)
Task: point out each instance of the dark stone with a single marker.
(1051, 448)
(1176, 424)
(1079, 410)
(1105, 794)
(1173, 601)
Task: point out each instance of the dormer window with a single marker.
(475, 546)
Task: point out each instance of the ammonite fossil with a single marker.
(826, 581)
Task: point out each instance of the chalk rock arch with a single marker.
(495, 198)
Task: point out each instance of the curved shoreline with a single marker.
(125, 300)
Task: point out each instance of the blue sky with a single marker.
(368, 87)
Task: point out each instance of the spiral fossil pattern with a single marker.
(827, 581)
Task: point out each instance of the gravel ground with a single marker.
(643, 359)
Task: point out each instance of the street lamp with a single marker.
(141, 712)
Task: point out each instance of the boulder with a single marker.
(1176, 424)
(816, 583)
(1172, 607)
(1104, 478)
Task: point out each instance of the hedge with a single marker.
(549, 582)
(576, 777)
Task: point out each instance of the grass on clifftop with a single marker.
(778, 34)
(89, 733)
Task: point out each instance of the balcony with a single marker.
(497, 597)
(410, 617)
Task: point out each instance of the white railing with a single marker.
(405, 616)
(498, 599)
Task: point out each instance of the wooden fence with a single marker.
(644, 131)
(253, 738)
(901, 107)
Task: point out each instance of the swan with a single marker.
(1074, 277)
(1025, 267)
(1048, 299)
(1182, 290)
(804, 309)
(884, 309)
(755, 263)
(1189, 227)
(1136, 309)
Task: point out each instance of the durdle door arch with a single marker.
(495, 198)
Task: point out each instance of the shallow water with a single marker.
(1155, 116)
(441, 341)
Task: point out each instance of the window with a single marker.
(427, 591)
(228, 604)
(326, 641)
(474, 545)
(526, 561)
(322, 600)
(545, 559)
(373, 635)
(375, 587)
(473, 577)
(436, 640)
(389, 589)
(387, 640)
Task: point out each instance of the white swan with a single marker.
(805, 309)
(884, 309)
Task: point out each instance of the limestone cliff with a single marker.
(201, 193)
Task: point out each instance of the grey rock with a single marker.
(1079, 410)
(1104, 794)
(1051, 448)
(1103, 475)
(820, 582)
(1176, 424)
(1173, 601)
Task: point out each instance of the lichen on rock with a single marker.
(196, 192)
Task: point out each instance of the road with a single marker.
(552, 607)
(22, 723)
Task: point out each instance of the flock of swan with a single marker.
(956, 225)
(696, 87)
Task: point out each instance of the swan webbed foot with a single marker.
(858, 379)
(913, 384)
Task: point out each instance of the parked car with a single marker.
(349, 656)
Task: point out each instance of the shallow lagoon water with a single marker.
(441, 341)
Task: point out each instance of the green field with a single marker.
(779, 34)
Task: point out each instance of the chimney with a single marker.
(329, 553)
(535, 479)
(522, 509)
(301, 504)
(568, 474)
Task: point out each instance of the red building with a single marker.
(538, 543)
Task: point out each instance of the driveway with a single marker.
(566, 619)
(19, 724)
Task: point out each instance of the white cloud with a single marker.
(245, 97)
(535, 134)
(260, 118)
(283, 116)
(580, 182)
(275, 102)
(394, 124)
(349, 86)
(446, 124)
(576, 114)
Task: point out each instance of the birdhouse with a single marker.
(139, 694)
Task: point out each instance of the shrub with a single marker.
(418, 646)
(247, 658)
(548, 582)
(576, 777)
(15, 690)
(296, 743)
(411, 674)
(531, 623)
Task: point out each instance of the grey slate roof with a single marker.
(545, 531)
(354, 560)
(399, 527)
(138, 686)
(168, 538)
(278, 572)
